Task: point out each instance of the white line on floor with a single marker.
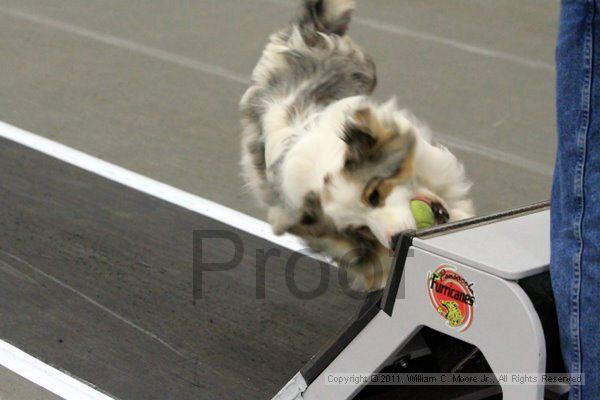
(467, 146)
(46, 376)
(494, 154)
(129, 45)
(469, 48)
(399, 30)
(95, 303)
(371, 23)
(152, 187)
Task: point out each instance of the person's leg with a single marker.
(575, 204)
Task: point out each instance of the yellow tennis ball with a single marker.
(422, 213)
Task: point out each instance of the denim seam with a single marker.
(579, 192)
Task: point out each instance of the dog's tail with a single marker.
(327, 16)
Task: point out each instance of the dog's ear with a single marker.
(375, 149)
(360, 134)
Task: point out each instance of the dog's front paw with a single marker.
(280, 220)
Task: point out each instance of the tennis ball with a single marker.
(422, 213)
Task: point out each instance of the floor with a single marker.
(153, 86)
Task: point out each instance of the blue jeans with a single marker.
(575, 210)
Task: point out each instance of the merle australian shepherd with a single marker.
(332, 165)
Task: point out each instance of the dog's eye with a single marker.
(374, 193)
(374, 198)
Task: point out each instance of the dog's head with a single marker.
(385, 161)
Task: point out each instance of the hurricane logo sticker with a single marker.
(451, 296)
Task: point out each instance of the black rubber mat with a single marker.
(96, 279)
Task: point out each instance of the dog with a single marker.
(332, 165)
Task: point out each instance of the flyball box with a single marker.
(478, 291)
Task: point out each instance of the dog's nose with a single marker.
(440, 213)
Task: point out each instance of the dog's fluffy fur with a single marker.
(332, 165)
